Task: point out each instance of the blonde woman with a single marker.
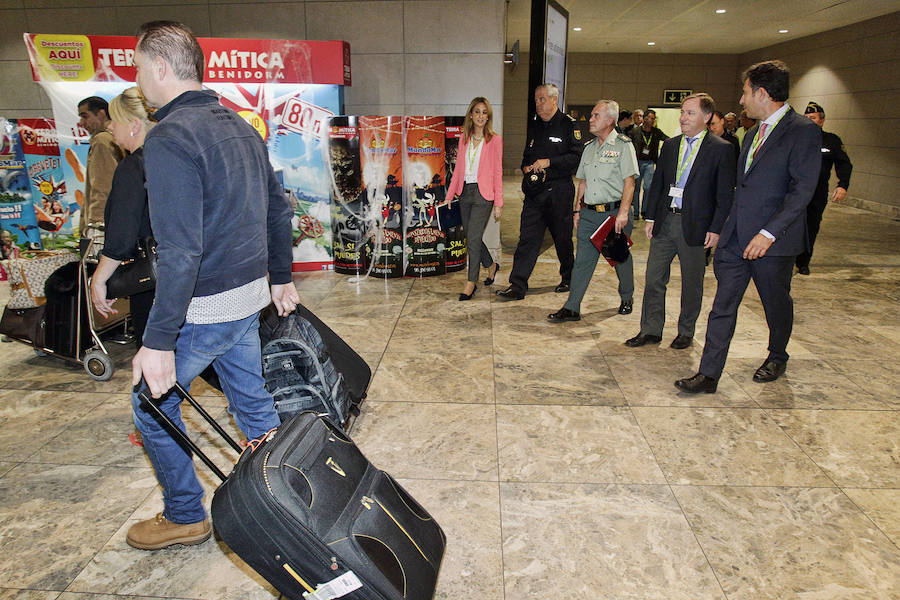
(127, 216)
(478, 181)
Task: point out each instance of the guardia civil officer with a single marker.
(606, 173)
(552, 151)
(833, 156)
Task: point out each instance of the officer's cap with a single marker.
(813, 107)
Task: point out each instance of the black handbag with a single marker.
(136, 275)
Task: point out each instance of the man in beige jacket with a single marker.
(103, 158)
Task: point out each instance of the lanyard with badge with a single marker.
(471, 153)
(647, 140)
(682, 164)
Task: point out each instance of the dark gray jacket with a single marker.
(219, 215)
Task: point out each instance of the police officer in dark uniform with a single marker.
(552, 152)
(833, 155)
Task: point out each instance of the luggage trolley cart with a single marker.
(71, 329)
(95, 358)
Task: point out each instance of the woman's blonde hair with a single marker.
(130, 105)
(469, 125)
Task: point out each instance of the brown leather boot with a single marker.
(159, 532)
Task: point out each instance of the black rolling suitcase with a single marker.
(307, 511)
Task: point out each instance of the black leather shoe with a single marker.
(490, 280)
(563, 315)
(464, 297)
(681, 342)
(511, 293)
(641, 339)
(562, 287)
(698, 384)
(769, 371)
(803, 270)
(625, 307)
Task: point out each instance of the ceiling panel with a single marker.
(692, 26)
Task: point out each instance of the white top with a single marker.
(473, 159)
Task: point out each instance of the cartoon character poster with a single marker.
(451, 220)
(18, 224)
(293, 120)
(424, 170)
(381, 139)
(52, 208)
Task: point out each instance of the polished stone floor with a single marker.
(560, 463)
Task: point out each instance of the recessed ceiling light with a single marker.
(782, 31)
(651, 43)
(720, 11)
(576, 29)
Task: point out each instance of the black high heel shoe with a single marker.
(464, 297)
(490, 280)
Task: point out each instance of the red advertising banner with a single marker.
(58, 57)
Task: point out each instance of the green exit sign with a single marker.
(675, 96)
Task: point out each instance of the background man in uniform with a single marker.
(606, 172)
(766, 228)
(833, 155)
(646, 140)
(209, 183)
(552, 151)
(689, 199)
(103, 158)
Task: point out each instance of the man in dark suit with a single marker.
(689, 198)
(766, 229)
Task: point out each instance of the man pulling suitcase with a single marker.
(209, 183)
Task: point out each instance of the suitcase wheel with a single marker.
(98, 365)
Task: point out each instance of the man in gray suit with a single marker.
(766, 229)
(690, 196)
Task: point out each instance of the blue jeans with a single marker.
(233, 349)
(643, 180)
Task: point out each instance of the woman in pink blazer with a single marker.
(478, 181)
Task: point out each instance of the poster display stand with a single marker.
(286, 89)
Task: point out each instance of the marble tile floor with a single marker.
(559, 462)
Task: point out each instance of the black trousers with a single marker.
(550, 209)
(814, 211)
(772, 277)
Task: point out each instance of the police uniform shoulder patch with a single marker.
(624, 138)
(577, 134)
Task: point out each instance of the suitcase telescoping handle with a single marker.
(143, 393)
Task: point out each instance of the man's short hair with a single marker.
(771, 75)
(718, 113)
(730, 114)
(612, 108)
(551, 88)
(707, 104)
(638, 110)
(175, 43)
(95, 104)
(624, 114)
(649, 111)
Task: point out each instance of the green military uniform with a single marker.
(604, 167)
